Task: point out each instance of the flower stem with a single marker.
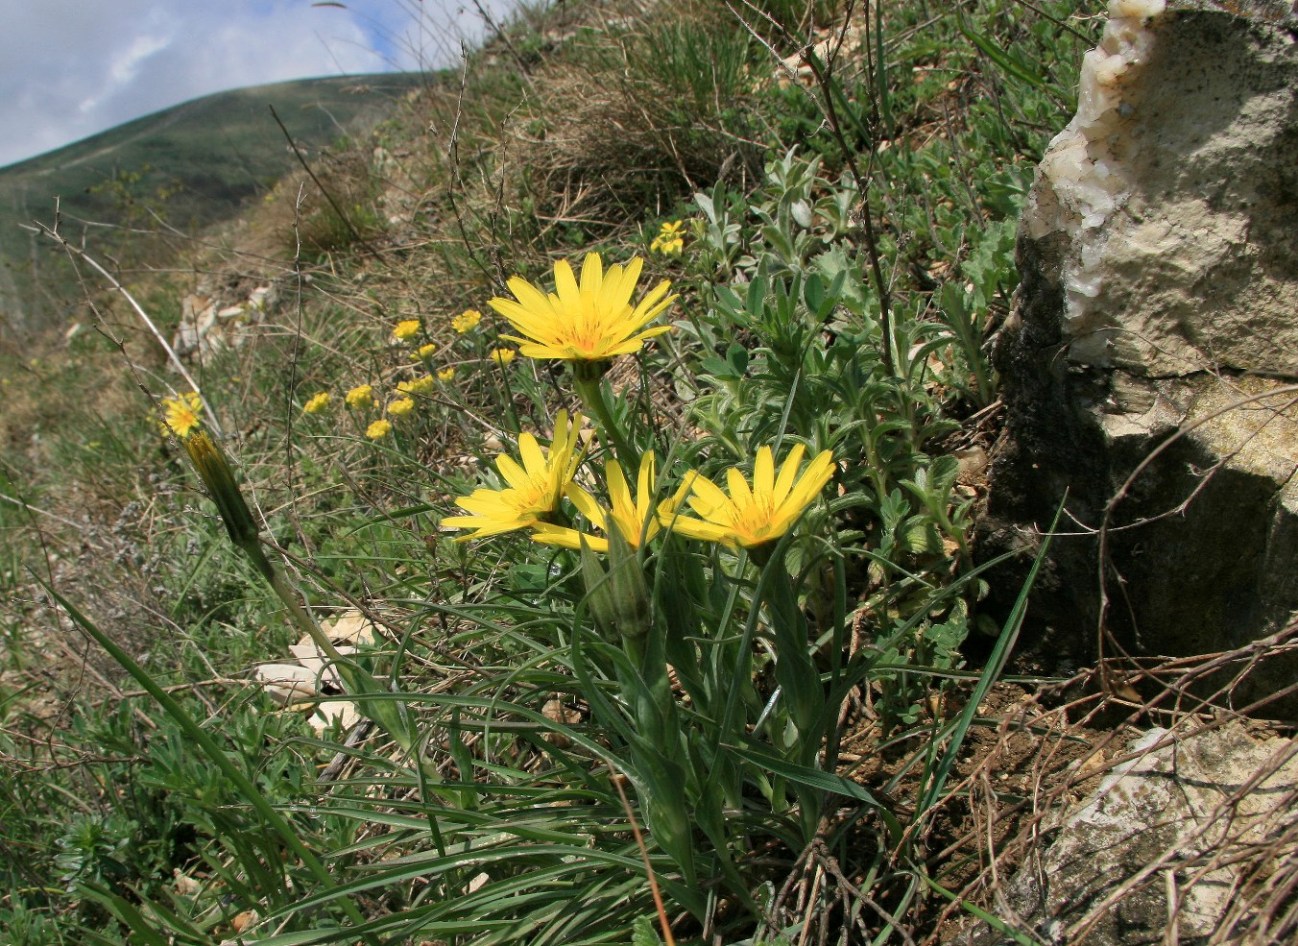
(803, 693)
(591, 392)
(215, 471)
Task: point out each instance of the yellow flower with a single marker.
(669, 241)
(427, 351)
(466, 321)
(360, 396)
(533, 487)
(318, 403)
(182, 414)
(407, 329)
(750, 517)
(401, 407)
(593, 321)
(378, 430)
(446, 374)
(633, 515)
(420, 385)
(502, 356)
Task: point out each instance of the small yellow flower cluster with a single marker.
(318, 403)
(466, 321)
(502, 356)
(670, 241)
(426, 352)
(407, 329)
(420, 385)
(360, 397)
(446, 374)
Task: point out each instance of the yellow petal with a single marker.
(652, 304)
(565, 284)
(513, 474)
(548, 534)
(706, 496)
(645, 484)
(764, 475)
(592, 275)
(529, 451)
(809, 485)
(587, 506)
(740, 495)
(788, 472)
(703, 531)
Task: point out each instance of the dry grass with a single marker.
(1052, 751)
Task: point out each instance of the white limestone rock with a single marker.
(1158, 257)
(1176, 188)
(1168, 848)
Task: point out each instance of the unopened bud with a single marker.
(214, 469)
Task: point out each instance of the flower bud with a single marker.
(214, 469)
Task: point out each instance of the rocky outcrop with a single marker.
(1148, 360)
(1188, 838)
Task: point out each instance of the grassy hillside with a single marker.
(652, 608)
(184, 168)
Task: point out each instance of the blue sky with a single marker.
(71, 68)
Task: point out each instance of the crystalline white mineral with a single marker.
(1090, 184)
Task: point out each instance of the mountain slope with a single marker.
(185, 167)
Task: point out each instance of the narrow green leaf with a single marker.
(820, 780)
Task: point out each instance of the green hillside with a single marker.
(184, 168)
(566, 536)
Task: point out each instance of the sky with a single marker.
(72, 68)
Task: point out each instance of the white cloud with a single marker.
(123, 67)
(71, 68)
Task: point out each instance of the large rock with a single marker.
(1159, 263)
(1189, 839)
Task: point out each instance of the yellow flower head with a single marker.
(420, 385)
(407, 329)
(590, 321)
(401, 406)
(752, 516)
(669, 241)
(446, 374)
(360, 396)
(466, 321)
(318, 403)
(182, 414)
(533, 488)
(378, 429)
(634, 515)
(427, 351)
(502, 356)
